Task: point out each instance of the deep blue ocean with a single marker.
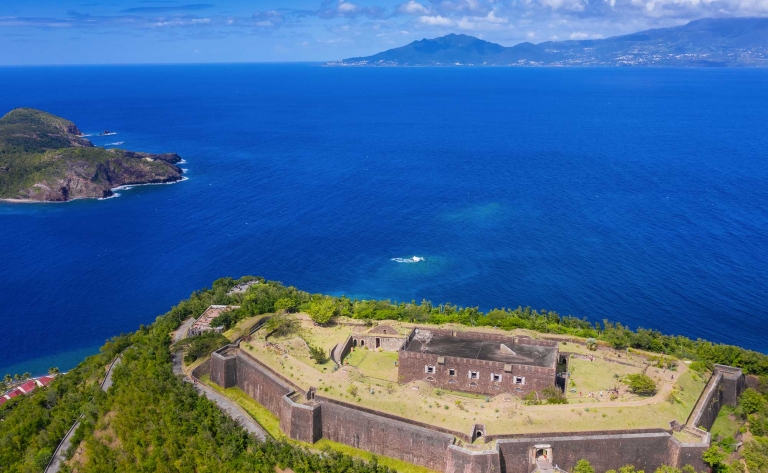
(636, 195)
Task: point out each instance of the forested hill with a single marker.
(150, 420)
(45, 158)
(736, 42)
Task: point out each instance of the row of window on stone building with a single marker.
(495, 377)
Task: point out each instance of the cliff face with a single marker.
(44, 158)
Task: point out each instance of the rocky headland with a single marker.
(45, 158)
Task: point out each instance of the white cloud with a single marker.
(413, 8)
(436, 20)
(346, 7)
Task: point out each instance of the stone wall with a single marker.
(306, 417)
(260, 383)
(224, 367)
(646, 451)
(412, 367)
(462, 460)
(372, 342)
(383, 436)
(341, 350)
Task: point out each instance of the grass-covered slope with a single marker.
(44, 158)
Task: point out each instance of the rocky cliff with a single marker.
(44, 158)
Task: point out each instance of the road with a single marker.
(229, 407)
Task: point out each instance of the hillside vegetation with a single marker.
(44, 158)
(150, 420)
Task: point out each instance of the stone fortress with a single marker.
(475, 362)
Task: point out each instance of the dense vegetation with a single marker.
(39, 150)
(152, 421)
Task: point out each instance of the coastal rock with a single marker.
(44, 158)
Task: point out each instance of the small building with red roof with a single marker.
(28, 387)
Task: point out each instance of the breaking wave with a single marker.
(415, 259)
(116, 143)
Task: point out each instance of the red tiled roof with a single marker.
(44, 380)
(14, 393)
(27, 387)
(3, 400)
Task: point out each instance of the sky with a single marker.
(37, 32)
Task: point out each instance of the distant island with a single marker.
(723, 42)
(45, 158)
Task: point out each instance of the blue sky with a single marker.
(165, 31)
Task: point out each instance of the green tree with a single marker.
(53, 370)
(583, 466)
(713, 456)
(26, 376)
(321, 311)
(591, 344)
(641, 384)
(282, 324)
(752, 401)
(286, 304)
(8, 378)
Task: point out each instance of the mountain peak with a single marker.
(705, 42)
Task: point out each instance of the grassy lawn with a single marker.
(726, 424)
(596, 376)
(374, 364)
(373, 373)
(260, 414)
(398, 465)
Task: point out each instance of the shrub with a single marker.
(641, 384)
(752, 401)
(317, 354)
(554, 396)
(352, 390)
(583, 466)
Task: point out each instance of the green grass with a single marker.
(260, 414)
(379, 365)
(726, 424)
(398, 465)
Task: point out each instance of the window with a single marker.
(495, 377)
(519, 380)
(474, 375)
(452, 372)
(429, 369)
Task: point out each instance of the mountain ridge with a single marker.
(713, 42)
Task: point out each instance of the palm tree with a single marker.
(17, 377)
(26, 375)
(53, 370)
(8, 378)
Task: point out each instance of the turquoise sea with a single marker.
(637, 195)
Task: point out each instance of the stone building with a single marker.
(203, 323)
(385, 337)
(478, 362)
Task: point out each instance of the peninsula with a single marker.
(45, 158)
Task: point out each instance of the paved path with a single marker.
(58, 456)
(229, 407)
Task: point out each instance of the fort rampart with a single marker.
(308, 417)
